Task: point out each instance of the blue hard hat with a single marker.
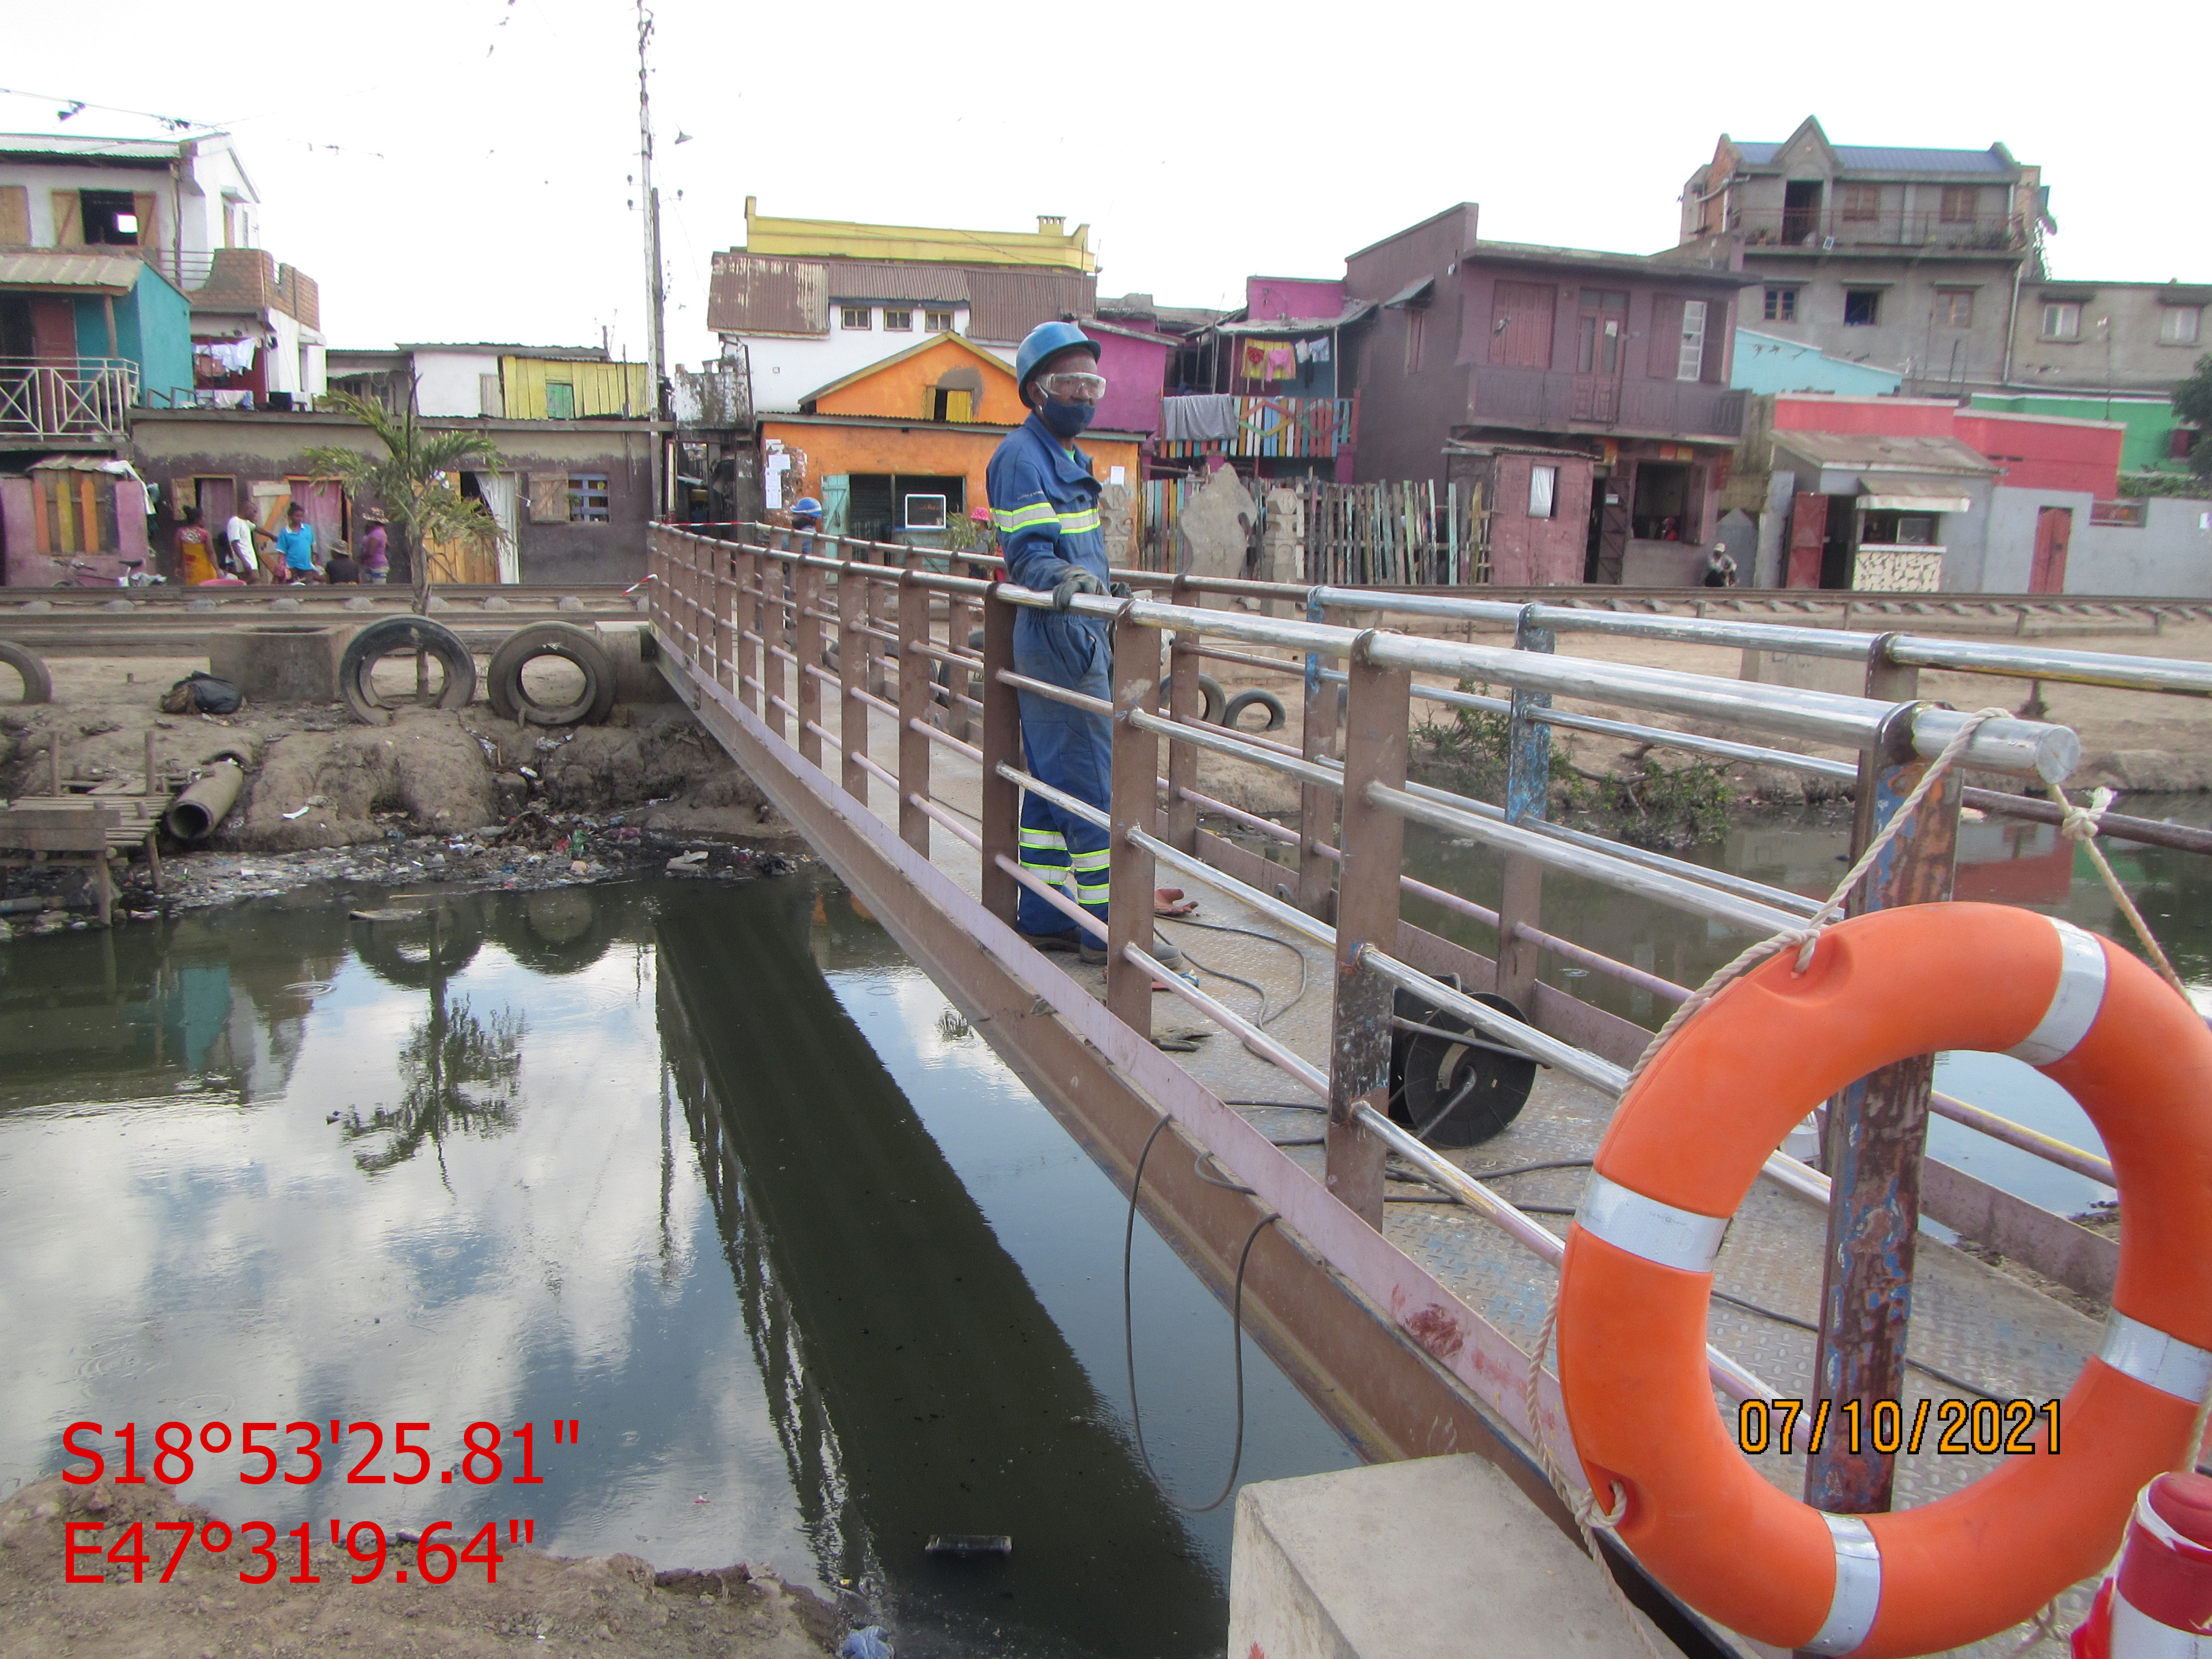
(807, 507)
(1041, 342)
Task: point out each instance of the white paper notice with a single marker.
(1118, 474)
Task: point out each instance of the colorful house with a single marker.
(897, 451)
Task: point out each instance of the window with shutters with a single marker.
(855, 317)
(587, 498)
(548, 498)
(1862, 203)
(1690, 362)
(1417, 318)
(14, 216)
(109, 217)
(1954, 308)
(1781, 305)
(560, 401)
(1959, 201)
(1520, 325)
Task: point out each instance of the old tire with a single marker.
(503, 677)
(1277, 717)
(38, 684)
(1209, 688)
(388, 635)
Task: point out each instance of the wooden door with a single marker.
(1600, 331)
(217, 498)
(2054, 530)
(1608, 535)
(1809, 535)
(53, 330)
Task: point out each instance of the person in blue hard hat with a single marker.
(1044, 506)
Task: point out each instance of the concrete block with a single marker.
(630, 645)
(1439, 1558)
(281, 662)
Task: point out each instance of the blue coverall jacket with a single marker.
(1044, 505)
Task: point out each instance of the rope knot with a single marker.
(2084, 823)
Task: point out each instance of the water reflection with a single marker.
(697, 1166)
(920, 1386)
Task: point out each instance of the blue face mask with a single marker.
(1066, 421)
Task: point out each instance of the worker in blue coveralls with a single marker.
(1044, 505)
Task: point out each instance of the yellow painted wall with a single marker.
(920, 448)
(905, 389)
(600, 388)
(839, 239)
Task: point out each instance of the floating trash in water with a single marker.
(967, 1546)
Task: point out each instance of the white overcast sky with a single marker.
(463, 170)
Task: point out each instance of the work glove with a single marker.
(1077, 580)
(1119, 590)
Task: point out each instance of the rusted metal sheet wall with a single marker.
(747, 295)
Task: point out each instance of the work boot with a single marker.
(1063, 941)
(1165, 950)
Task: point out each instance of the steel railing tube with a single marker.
(1745, 915)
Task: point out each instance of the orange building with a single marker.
(897, 451)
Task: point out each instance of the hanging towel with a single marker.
(1282, 362)
(1317, 351)
(1199, 420)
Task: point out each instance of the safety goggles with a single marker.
(1072, 387)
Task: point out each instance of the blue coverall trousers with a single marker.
(1070, 749)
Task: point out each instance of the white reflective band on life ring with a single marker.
(2074, 1006)
(2136, 1635)
(1643, 1226)
(2149, 1355)
(1858, 1587)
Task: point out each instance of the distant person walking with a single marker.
(1720, 568)
(296, 542)
(240, 557)
(195, 551)
(375, 552)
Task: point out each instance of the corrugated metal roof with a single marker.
(163, 150)
(862, 279)
(1351, 313)
(1005, 305)
(112, 273)
(748, 294)
(1887, 158)
(1859, 452)
(1661, 265)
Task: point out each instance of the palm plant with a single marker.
(413, 478)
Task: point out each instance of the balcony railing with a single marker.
(1317, 426)
(1819, 230)
(48, 399)
(1547, 400)
(187, 271)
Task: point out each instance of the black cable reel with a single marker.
(1448, 1083)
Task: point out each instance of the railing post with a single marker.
(1002, 746)
(726, 620)
(1528, 795)
(1134, 803)
(1186, 701)
(1316, 806)
(852, 674)
(656, 584)
(809, 652)
(1366, 913)
(914, 705)
(775, 578)
(959, 622)
(747, 609)
(1876, 1135)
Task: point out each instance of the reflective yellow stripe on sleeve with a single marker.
(1024, 518)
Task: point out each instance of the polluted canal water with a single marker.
(709, 1170)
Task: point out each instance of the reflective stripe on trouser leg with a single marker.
(1070, 749)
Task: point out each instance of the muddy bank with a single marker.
(610, 1605)
(434, 796)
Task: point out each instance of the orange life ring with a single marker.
(1684, 1146)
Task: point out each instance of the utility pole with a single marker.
(656, 297)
